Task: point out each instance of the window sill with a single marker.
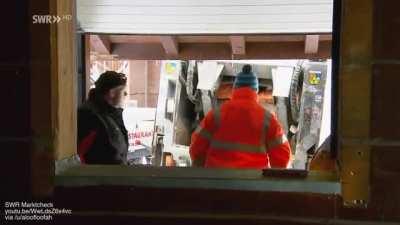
(197, 178)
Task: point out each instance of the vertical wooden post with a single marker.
(64, 82)
(87, 63)
(146, 82)
(53, 92)
(355, 100)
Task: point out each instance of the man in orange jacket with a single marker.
(240, 133)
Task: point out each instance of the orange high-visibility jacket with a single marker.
(240, 134)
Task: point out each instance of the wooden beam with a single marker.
(170, 45)
(311, 44)
(213, 51)
(122, 38)
(147, 39)
(238, 45)
(101, 44)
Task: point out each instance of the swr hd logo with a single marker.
(49, 19)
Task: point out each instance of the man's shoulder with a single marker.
(249, 105)
(87, 109)
(87, 113)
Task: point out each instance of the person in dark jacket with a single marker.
(102, 136)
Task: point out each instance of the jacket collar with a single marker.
(103, 106)
(244, 93)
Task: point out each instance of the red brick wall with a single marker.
(385, 113)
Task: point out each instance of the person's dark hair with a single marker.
(107, 80)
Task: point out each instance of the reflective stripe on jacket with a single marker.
(240, 134)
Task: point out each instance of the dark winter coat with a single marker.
(102, 136)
